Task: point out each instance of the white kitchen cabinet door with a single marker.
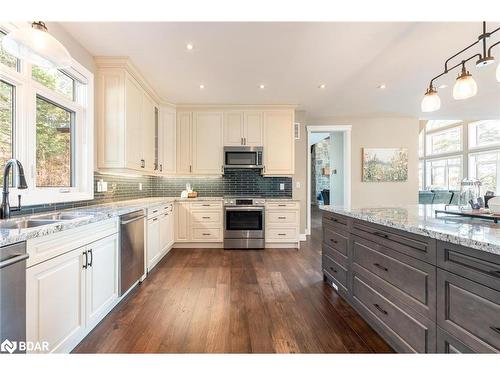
(253, 128)
(55, 301)
(207, 143)
(133, 123)
(182, 221)
(170, 229)
(233, 128)
(153, 242)
(101, 279)
(279, 144)
(166, 231)
(167, 142)
(183, 143)
(148, 133)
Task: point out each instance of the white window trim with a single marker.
(25, 133)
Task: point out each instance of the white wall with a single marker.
(336, 168)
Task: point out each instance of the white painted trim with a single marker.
(302, 237)
(346, 129)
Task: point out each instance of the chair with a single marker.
(425, 197)
(442, 197)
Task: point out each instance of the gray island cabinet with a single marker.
(421, 293)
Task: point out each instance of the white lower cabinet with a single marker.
(160, 235)
(282, 223)
(68, 295)
(199, 221)
(153, 242)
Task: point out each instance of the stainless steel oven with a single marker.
(243, 157)
(244, 223)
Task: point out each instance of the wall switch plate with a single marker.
(104, 186)
(282, 186)
(297, 184)
(140, 186)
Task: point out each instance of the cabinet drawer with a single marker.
(207, 234)
(407, 243)
(336, 239)
(407, 279)
(447, 344)
(337, 256)
(473, 264)
(281, 234)
(283, 205)
(469, 311)
(277, 217)
(203, 218)
(405, 332)
(339, 221)
(205, 205)
(335, 270)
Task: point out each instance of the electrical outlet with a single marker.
(140, 186)
(282, 186)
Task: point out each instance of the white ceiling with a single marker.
(292, 59)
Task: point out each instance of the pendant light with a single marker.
(35, 45)
(465, 86)
(431, 101)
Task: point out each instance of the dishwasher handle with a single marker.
(14, 259)
(132, 220)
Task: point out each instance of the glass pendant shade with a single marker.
(431, 101)
(465, 86)
(36, 46)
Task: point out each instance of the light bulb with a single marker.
(431, 101)
(465, 86)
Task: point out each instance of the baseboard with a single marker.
(308, 231)
(282, 245)
(199, 245)
(302, 237)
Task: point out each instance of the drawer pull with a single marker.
(334, 241)
(281, 205)
(377, 306)
(205, 205)
(282, 217)
(205, 217)
(333, 219)
(495, 273)
(155, 211)
(281, 234)
(206, 234)
(378, 265)
(496, 329)
(333, 270)
(380, 234)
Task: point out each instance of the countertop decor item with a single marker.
(494, 205)
(470, 194)
(465, 86)
(385, 164)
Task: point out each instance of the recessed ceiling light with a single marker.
(381, 86)
(262, 86)
(202, 87)
(322, 86)
(442, 86)
(189, 46)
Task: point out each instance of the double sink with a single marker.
(40, 220)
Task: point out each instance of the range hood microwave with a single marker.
(243, 157)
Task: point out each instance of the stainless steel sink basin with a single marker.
(26, 223)
(58, 216)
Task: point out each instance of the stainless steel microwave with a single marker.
(243, 157)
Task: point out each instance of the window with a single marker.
(485, 167)
(55, 80)
(421, 175)
(54, 127)
(421, 144)
(444, 174)
(6, 58)
(484, 133)
(46, 122)
(445, 141)
(438, 124)
(6, 123)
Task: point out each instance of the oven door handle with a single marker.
(244, 208)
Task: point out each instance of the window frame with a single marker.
(24, 145)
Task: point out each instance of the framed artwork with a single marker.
(385, 164)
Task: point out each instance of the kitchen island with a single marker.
(426, 284)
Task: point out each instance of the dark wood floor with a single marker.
(219, 301)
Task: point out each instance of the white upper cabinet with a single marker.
(166, 141)
(233, 128)
(279, 143)
(207, 143)
(253, 135)
(125, 119)
(183, 145)
(243, 128)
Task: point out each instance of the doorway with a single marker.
(328, 168)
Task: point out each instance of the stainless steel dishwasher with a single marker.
(131, 249)
(13, 294)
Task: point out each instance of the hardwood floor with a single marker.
(220, 301)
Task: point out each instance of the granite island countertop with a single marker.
(420, 219)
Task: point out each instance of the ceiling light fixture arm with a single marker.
(493, 45)
(447, 70)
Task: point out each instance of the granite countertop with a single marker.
(420, 219)
(85, 215)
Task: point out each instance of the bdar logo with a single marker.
(8, 346)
